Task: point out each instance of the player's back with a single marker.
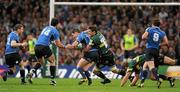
(48, 34)
(9, 49)
(155, 37)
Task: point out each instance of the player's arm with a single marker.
(125, 78)
(16, 44)
(74, 45)
(145, 35)
(89, 46)
(135, 79)
(169, 61)
(59, 44)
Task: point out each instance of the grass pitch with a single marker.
(71, 85)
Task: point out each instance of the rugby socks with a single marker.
(144, 75)
(10, 72)
(22, 74)
(28, 68)
(101, 75)
(53, 71)
(155, 73)
(81, 71)
(163, 77)
(87, 74)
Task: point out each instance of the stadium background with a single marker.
(112, 21)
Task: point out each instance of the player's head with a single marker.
(55, 23)
(156, 22)
(75, 32)
(92, 30)
(19, 28)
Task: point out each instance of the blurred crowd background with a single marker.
(112, 21)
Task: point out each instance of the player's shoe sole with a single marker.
(82, 81)
(105, 81)
(141, 85)
(53, 82)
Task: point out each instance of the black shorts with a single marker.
(12, 59)
(129, 54)
(92, 56)
(42, 51)
(107, 59)
(152, 54)
(32, 58)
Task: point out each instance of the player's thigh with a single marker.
(82, 62)
(51, 58)
(88, 66)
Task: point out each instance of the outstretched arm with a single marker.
(125, 78)
(59, 44)
(74, 45)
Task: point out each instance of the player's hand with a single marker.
(69, 46)
(24, 44)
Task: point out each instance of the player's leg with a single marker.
(170, 79)
(52, 68)
(11, 60)
(97, 71)
(87, 72)
(22, 65)
(144, 74)
(82, 63)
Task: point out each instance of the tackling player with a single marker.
(106, 56)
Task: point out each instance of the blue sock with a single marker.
(28, 68)
(154, 71)
(81, 71)
(87, 74)
(144, 76)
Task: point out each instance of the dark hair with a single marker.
(75, 30)
(93, 28)
(18, 26)
(54, 22)
(156, 22)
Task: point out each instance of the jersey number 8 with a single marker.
(46, 31)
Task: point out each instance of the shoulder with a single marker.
(148, 29)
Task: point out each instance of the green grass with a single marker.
(70, 85)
